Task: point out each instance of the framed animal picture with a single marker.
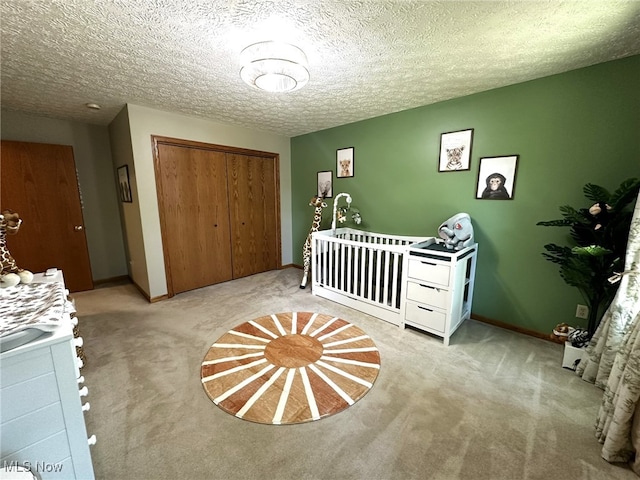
(497, 178)
(345, 159)
(325, 184)
(455, 151)
(124, 185)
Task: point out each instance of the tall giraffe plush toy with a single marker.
(319, 204)
(10, 274)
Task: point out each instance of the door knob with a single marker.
(78, 228)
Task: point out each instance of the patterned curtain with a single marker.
(612, 361)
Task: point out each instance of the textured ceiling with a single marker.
(366, 58)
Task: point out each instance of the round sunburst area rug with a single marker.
(290, 368)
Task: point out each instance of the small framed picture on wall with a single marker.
(325, 184)
(455, 151)
(345, 159)
(497, 178)
(124, 188)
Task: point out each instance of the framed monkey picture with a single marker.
(497, 178)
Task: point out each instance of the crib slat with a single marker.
(378, 280)
(329, 278)
(349, 275)
(342, 266)
(361, 277)
(369, 291)
(385, 285)
(394, 281)
(356, 270)
(324, 262)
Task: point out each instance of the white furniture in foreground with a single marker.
(438, 287)
(41, 413)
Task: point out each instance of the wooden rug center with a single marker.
(291, 367)
(293, 351)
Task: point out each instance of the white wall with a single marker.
(145, 122)
(96, 177)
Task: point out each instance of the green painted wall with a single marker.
(570, 129)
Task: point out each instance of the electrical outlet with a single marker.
(582, 311)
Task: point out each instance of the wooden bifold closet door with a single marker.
(253, 206)
(219, 212)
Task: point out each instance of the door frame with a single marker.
(177, 142)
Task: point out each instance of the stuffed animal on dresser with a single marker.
(457, 232)
(10, 273)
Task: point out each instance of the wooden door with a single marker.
(254, 207)
(194, 216)
(39, 181)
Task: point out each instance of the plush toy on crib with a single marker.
(457, 232)
(10, 274)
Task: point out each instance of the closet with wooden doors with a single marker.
(219, 212)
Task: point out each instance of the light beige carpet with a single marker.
(291, 367)
(495, 404)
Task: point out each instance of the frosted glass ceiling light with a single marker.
(274, 67)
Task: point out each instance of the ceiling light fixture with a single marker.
(93, 106)
(274, 67)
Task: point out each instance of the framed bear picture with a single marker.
(455, 151)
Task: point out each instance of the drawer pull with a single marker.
(429, 263)
(424, 308)
(84, 391)
(86, 407)
(429, 286)
(78, 342)
(80, 380)
(91, 440)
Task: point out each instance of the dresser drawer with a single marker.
(430, 272)
(421, 293)
(425, 317)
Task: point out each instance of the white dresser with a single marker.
(41, 410)
(438, 287)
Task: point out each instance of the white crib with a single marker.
(362, 270)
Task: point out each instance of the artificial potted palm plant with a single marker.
(599, 236)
